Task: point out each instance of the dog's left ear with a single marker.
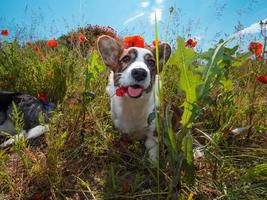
(110, 50)
(164, 54)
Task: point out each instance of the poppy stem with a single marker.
(264, 46)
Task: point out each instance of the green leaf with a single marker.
(257, 173)
(170, 139)
(208, 73)
(227, 84)
(189, 81)
(187, 148)
(94, 67)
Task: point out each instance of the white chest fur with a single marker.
(131, 115)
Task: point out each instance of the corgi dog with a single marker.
(133, 88)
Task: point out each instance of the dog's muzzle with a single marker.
(139, 74)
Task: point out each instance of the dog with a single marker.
(133, 72)
(30, 109)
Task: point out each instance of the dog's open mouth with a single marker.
(134, 91)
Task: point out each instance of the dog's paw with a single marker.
(153, 154)
(152, 147)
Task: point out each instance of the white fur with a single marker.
(32, 133)
(8, 128)
(130, 115)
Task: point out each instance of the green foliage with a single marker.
(257, 173)
(40, 70)
(189, 81)
(94, 68)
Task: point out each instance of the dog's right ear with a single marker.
(110, 50)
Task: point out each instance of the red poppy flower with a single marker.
(125, 140)
(134, 41)
(42, 97)
(191, 43)
(37, 196)
(41, 56)
(263, 79)
(36, 48)
(120, 91)
(154, 42)
(125, 186)
(82, 38)
(255, 48)
(51, 43)
(28, 44)
(4, 32)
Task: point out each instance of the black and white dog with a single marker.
(31, 109)
(133, 71)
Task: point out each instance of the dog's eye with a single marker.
(151, 63)
(126, 59)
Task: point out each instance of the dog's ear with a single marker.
(110, 50)
(164, 54)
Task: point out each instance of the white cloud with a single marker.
(198, 37)
(144, 4)
(252, 29)
(133, 18)
(158, 12)
(160, 1)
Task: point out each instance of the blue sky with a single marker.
(205, 20)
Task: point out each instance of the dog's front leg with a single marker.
(151, 144)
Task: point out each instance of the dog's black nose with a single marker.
(139, 74)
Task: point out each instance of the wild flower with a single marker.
(154, 42)
(255, 48)
(125, 186)
(28, 43)
(262, 79)
(41, 55)
(36, 48)
(4, 32)
(42, 97)
(52, 43)
(191, 43)
(82, 38)
(134, 41)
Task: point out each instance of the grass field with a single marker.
(84, 157)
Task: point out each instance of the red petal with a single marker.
(4, 32)
(82, 38)
(191, 43)
(125, 187)
(255, 48)
(263, 79)
(154, 42)
(134, 41)
(42, 97)
(125, 140)
(51, 43)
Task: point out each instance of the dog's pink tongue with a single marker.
(134, 91)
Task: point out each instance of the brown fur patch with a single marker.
(164, 54)
(110, 50)
(127, 58)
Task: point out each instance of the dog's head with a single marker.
(134, 68)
